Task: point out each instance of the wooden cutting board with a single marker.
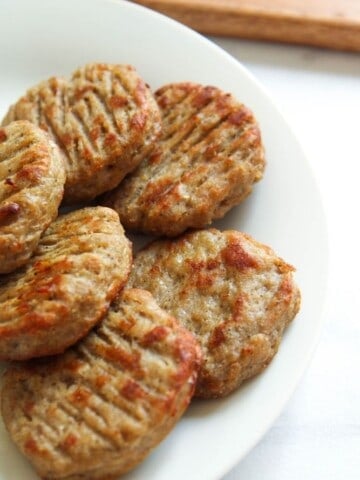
(324, 23)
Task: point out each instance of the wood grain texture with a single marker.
(323, 23)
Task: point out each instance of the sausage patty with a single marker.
(104, 118)
(233, 293)
(207, 160)
(32, 178)
(99, 409)
(81, 262)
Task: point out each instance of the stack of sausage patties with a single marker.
(106, 352)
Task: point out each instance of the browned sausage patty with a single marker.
(81, 262)
(104, 118)
(207, 160)
(231, 291)
(99, 409)
(32, 178)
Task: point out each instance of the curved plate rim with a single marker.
(199, 44)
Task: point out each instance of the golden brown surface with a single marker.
(233, 293)
(32, 178)
(207, 160)
(104, 118)
(81, 262)
(98, 410)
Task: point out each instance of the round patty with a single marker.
(207, 160)
(104, 118)
(32, 178)
(81, 262)
(98, 410)
(233, 293)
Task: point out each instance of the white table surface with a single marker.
(317, 436)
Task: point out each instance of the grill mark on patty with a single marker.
(82, 135)
(75, 413)
(40, 445)
(107, 369)
(174, 109)
(204, 136)
(107, 116)
(42, 119)
(96, 132)
(11, 150)
(98, 422)
(195, 133)
(164, 101)
(19, 168)
(115, 353)
(128, 414)
(119, 89)
(110, 82)
(240, 141)
(192, 159)
(45, 430)
(121, 81)
(52, 131)
(191, 117)
(135, 344)
(187, 158)
(131, 356)
(51, 240)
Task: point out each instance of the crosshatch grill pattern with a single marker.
(81, 262)
(206, 161)
(104, 119)
(32, 181)
(101, 407)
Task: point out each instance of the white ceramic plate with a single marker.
(39, 39)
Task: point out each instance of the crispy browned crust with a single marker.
(104, 118)
(209, 156)
(232, 292)
(81, 262)
(32, 178)
(100, 408)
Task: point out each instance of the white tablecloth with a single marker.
(317, 437)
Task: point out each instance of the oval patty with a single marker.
(32, 178)
(100, 408)
(81, 262)
(207, 160)
(233, 293)
(104, 118)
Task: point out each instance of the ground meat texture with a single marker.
(32, 178)
(104, 119)
(82, 261)
(233, 293)
(96, 411)
(207, 160)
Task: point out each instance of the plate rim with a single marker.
(324, 280)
